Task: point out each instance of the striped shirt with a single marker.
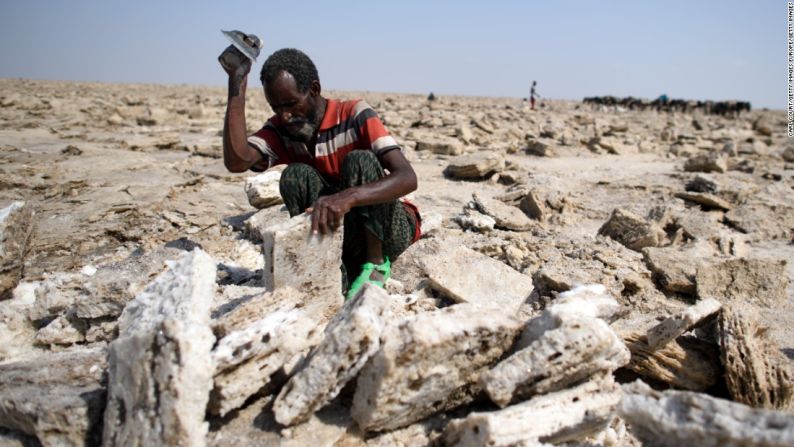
(346, 126)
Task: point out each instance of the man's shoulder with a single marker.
(270, 127)
(268, 138)
(351, 107)
(347, 114)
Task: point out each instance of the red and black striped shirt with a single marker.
(346, 126)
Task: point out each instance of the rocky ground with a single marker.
(687, 221)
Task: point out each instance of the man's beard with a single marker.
(304, 129)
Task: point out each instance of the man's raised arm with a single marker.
(238, 155)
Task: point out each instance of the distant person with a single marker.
(533, 94)
(337, 153)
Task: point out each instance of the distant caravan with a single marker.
(662, 104)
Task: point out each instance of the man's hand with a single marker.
(328, 212)
(234, 62)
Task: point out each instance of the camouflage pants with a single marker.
(301, 185)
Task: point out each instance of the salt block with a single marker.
(160, 366)
(591, 300)
(705, 200)
(56, 397)
(475, 166)
(588, 301)
(757, 373)
(467, 276)
(430, 363)
(543, 147)
(631, 230)
(669, 329)
(569, 354)
(534, 205)
(350, 339)
(706, 163)
(15, 229)
(258, 338)
(62, 331)
(296, 258)
(688, 362)
(440, 145)
(673, 269)
(759, 281)
(506, 216)
(263, 190)
(473, 220)
(676, 418)
(570, 414)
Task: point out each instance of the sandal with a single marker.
(364, 277)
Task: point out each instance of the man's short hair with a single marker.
(294, 62)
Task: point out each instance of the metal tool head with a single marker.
(248, 44)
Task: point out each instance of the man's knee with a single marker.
(300, 185)
(361, 166)
(297, 178)
(296, 172)
(359, 158)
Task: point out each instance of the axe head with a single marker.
(248, 44)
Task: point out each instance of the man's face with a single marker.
(297, 110)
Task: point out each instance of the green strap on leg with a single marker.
(364, 277)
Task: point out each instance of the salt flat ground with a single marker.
(114, 171)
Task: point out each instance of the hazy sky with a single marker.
(686, 49)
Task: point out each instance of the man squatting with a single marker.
(342, 163)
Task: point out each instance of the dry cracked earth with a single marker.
(686, 220)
